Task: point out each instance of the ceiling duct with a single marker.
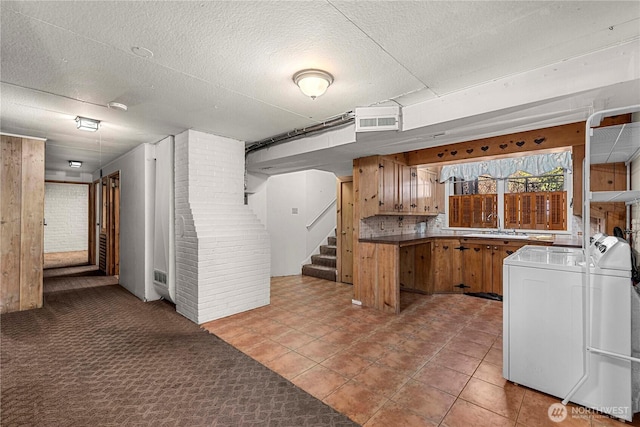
(341, 120)
(377, 119)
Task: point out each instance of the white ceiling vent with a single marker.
(374, 119)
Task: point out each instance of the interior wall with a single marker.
(293, 201)
(66, 213)
(136, 219)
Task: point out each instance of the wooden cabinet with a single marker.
(609, 177)
(472, 267)
(389, 187)
(446, 262)
(415, 268)
(494, 255)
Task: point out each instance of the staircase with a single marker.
(323, 265)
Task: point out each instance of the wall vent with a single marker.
(375, 119)
(160, 277)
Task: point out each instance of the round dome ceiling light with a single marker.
(117, 106)
(313, 83)
(142, 52)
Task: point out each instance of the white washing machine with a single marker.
(544, 333)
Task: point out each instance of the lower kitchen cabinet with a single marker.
(446, 262)
(415, 268)
(473, 265)
(494, 256)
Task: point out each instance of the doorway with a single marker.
(345, 230)
(109, 225)
(67, 220)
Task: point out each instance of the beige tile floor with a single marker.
(437, 363)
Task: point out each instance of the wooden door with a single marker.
(424, 192)
(472, 268)
(423, 280)
(109, 256)
(114, 225)
(345, 230)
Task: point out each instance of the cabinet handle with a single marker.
(380, 165)
(488, 247)
(401, 206)
(380, 203)
(495, 247)
(413, 205)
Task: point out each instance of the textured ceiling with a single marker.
(225, 67)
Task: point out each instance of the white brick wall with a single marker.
(222, 249)
(66, 210)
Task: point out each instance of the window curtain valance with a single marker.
(538, 164)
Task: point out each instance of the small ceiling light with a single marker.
(142, 52)
(313, 83)
(84, 123)
(75, 163)
(117, 106)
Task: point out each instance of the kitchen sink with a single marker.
(498, 236)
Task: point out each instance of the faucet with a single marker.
(491, 215)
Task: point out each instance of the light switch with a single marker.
(294, 211)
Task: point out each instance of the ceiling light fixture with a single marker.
(117, 106)
(75, 163)
(84, 123)
(313, 83)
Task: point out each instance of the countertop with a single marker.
(416, 238)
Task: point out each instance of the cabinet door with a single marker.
(423, 189)
(472, 267)
(500, 252)
(388, 186)
(407, 181)
(446, 265)
(438, 193)
(407, 267)
(609, 177)
(422, 267)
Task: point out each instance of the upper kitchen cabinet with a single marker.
(430, 192)
(387, 186)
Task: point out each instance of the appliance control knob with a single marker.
(602, 249)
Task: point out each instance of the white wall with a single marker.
(136, 219)
(308, 192)
(66, 210)
(164, 218)
(222, 249)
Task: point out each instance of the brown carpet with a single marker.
(99, 357)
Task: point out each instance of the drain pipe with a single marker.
(586, 284)
(341, 120)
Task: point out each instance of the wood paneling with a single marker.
(10, 215)
(31, 225)
(553, 137)
(21, 223)
(387, 279)
(345, 230)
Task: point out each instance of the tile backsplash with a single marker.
(389, 225)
